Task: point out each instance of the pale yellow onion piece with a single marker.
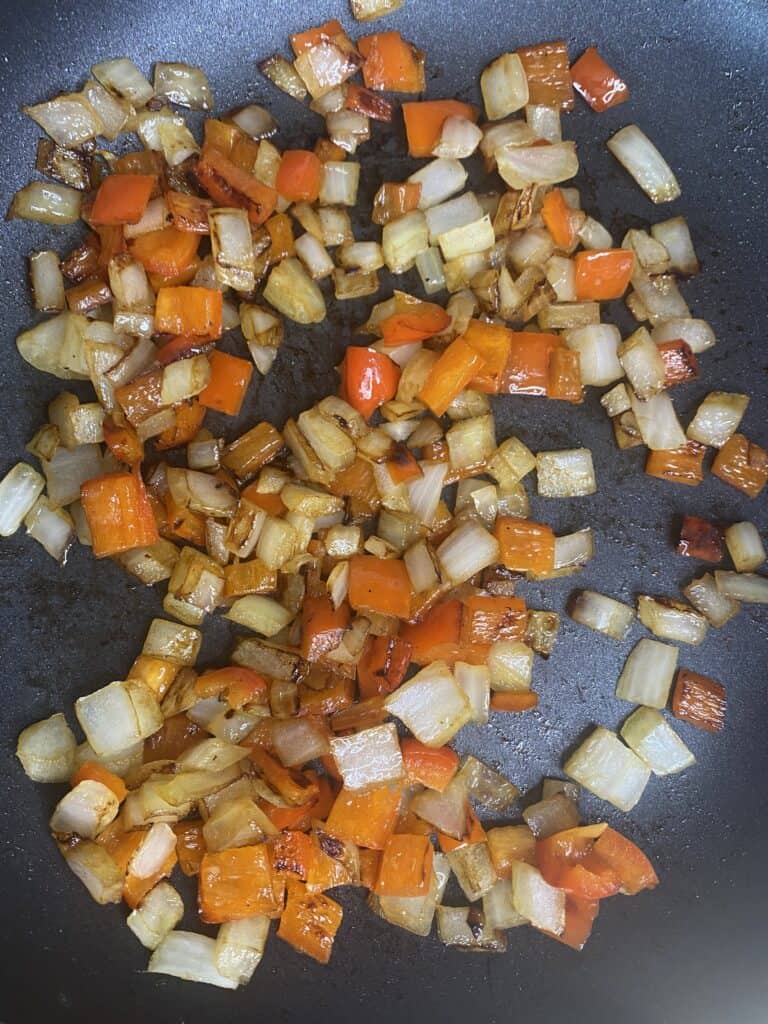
(157, 914)
(431, 705)
(654, 740)
(648, 673)
(294, 294)
(47, 750)
(191, 957)
(369, 757)
(46, 202)
(604, 766)
(504, 86)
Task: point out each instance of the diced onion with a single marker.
(157, 915)
(369, 757)
(439, 180)
(446, 811)
(112, 112)
(415, 913)
(648, 673)
(657, 422)
(504, 86)
(52, 527)
(474, 870)
(671, 620)
(97, 870)
(255, 121)
(431, 705)
(638, 155)
(593, 235)
(565, 474)
(486, 786)
(19, 490)
(347, 129)
(85, 810)
(110, 721)
(536, 900)
(184, 85)
(475, 681)
(604, 766)
(429, 264)
(499, 908)
(459, 138)
(184, 379)
(616, 401)
(191, 957)
(574, 550)
(550, 815)
(510, 663)
(467, 240)
(466, 928)
(602, 613)
(47, 750)
(745, 546)
(656, 742)
(675, 236)
(47, 282)
(283, 74)
(544, 121)
(660, 297)
(696, 333)
(240, 947)
(69, 119)
(717, 418)
(643, 364)
(47, 203)
(124, 81)
(705, 596)
(521, 166)
(402, 240)
(743, 586)
(597, 346)
(294, 294)
(338, 183)
(299, 740)
(232, 247)
(467, 550)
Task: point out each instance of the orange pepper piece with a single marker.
(230, 377)
(189, 419)
(122, 199)
(438, 636)
(424, 122)
(558, 219)
(603, 273)
(190, 846)
(494, 343)
(406, 866)
(742, 464)
(391, 63)
(678, 465)
(239, 883)
(240, 685)
(564, 375)
(699, 700)
(188, 213)
(383, 665)
(322, 626)
(527, 371)
(174, 736)
(487, 618)
(597, 82)
(123, 442)
(680, 364)
(368, 379)
(379, 585)
(395, 199)
(194, 312)
(433, 767)
(298, 177)
(309, 922)
(525, 546)
(548, 74)
(229, 184)
(119, 513)
(367, 818)
(166, 251)
(514, 701)
(303, 41)
(454, 369)
(98, 773)
(418, 322)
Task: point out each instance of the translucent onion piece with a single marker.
(431, 705)
(294, 294)
(671, 620)
(504, 86)
(110, 720)
(156, 846)
(172, 640)
(536, 900)
(717, 418)
(475, 681)
(459, 138)
(706, 598)
(69, 119)
(550, 815)
(261, 614)
(402, 240)
(234, 821)
(696, 333)
(47, 750)
(240, 947)
(211, 755)
(604, 766)
(656, 742)
(486, 786)
(574, 550)
(369, 757)
(657, 422)
(745, 546)
(743, 586)
(47, 203)
(474, 870)
(466, 928)
(232, 247)
(85, 810)
(255, 121)
(338, 185)
(647, 674)
(638, 155)
(642, 364)
(51, 527)
(602, 613)
(675, 236)
(157, 914)
(597, 346)
(19, 490)
(472, 238)
(510, 663)
(190, 957)
(521, 166)
(124, 81)
(565, 474)
(47, 282)
(184, 85)
(415, 913)
(97, 870)
(499, 908)
(439, 180)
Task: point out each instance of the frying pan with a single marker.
(691, 950)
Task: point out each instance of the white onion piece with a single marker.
(439, 180)
(466, 928)
(604, 766)
(112, 113)
(510, 664)
(421, 568)
(368, 10)
(234, 258)
(551, 814)
(616, 401)
(47, 750)
(97, 870)
(402, 240)
(121, 762)
(431, 705)
(642, 364)
(184, 379)
(499, 908)
(675, 236)
(472, 238)
(638, 155)
(574, 550)
(521, 166)
(504, 86)
(657, 422)
(338, 184)
(369, 757)
(671, 620)
(745, 546)
(429, 264)
(565, 474)
(173, 641)
(704, 595)
(69, 119)
(183, 85)
(471, 442)
(347, 129)
(124, 81)
(743, 586)
(593, 235)
(474, 870)
(424, 492)
(51, 527)
(157, 915)
(69, 469)
(561, 274)
(545, 122)
(487, 786)
(475, 681)
(47, 282)
(454, 213)
(536, 900)
(650, 254)
(531, 248)
(467, 550)
(255, 121)
(240, 947)
(211, 755)
(597, 346)
(446, 811)
(655, 742)
(19, 490)
(85, 810)
(717, 418)
(177, 143)
(234, 821)
(294, 294)
(110, 721)
(365, 256)
(696, 333)
(153, 851)
(46, 202)
(459, 138)
(513, 132)
(602, 613)
(647, 674)
(659, 297)
(190, 957)
(314, 256)
(298, 740)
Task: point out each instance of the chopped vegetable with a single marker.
(596, 82)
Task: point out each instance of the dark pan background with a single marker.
(692, 950)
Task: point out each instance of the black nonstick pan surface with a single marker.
(693, 950)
